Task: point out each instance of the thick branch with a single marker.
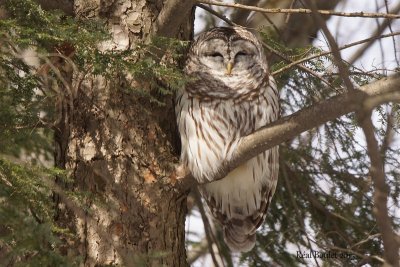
(302, 10)
(286, 128)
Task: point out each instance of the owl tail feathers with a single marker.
(237, 240)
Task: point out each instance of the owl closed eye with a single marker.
(221, 55)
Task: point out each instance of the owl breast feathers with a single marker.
(230, 94)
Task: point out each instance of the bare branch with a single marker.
(207, 227)
(371, 39)
(343, 69)
(381, 192)
(377, 32)
(388, 138)
(215, 13)
(241, 15)
(302, 10)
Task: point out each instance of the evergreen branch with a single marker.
(303, 68)
(286, 128)
(301, 10)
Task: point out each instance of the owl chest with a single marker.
(226, 119)
(211, 130)
(218, 126)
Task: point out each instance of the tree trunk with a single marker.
(118, 147)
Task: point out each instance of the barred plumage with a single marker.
(230, 95)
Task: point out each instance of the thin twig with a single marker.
(295, 63)
(302, 10)
(337, 57)
(378, 31)
(207, 228)
(241, 16)
(370, 237)
(273, 25)
(391, 31)
(388, 138)
(288, 15)
(215, 13)
(304, 68)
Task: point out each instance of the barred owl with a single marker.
(229, 95)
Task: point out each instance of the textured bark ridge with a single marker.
(117, 146)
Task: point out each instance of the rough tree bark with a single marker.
(118, 148)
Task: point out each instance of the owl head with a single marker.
(227, 52)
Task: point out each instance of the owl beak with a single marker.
(229, 68)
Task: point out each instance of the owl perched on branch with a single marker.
(230, 94)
